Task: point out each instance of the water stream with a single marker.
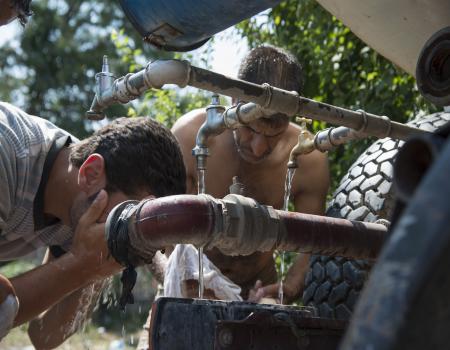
(201, 190)
(287, 193)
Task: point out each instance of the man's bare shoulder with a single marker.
(290, 137)
(189, 123)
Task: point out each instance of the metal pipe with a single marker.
(129, 87)
(244, 113)
(181, 73)
(236, 225)
(329, 139)
(218, 119)
(290, 103)
(323, 141)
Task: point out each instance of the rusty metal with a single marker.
(329, 139)
(290, 103)
(236, 225)
(263, 330)
(323, 235)
(211, 324)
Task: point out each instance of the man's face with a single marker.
(82, 203)
(8, 12)
(257, 140)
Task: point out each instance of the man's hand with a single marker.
(258, 292)
(89, 243)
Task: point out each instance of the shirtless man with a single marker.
(258, 154)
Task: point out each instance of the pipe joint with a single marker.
(247, 226)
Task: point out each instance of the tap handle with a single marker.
(105, 64)
(105, 78)
(237, 187)
(303, 121)
(215, 100)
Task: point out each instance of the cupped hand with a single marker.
(89, 244)
(259, 292)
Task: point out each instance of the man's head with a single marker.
(131, 158)
(277, 67)
(12, 9)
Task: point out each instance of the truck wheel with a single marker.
(333, 284)
(405, 303)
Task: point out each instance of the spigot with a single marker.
(304, 145)
(214, 125)
(237, 187)
(103, 81)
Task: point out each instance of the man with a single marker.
(12, 9)
(258, 154)
(57, 192)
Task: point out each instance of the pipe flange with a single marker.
(269, 93)
(131, 92)
(389, 125)
(363, 127)
(116, 232)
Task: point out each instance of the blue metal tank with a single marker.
(183, 25)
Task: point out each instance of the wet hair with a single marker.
(140, 155)
(275, 66)
(23, 10)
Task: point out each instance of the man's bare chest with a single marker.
(264, 184)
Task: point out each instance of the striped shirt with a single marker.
(28, 147)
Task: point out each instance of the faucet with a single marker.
(103, 81)
(218, 120)
(304, 145)
(212, 126)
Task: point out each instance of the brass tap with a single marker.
(304, 145)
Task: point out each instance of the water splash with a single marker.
(201, 190)
(287, 192)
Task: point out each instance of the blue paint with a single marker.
(182, 25)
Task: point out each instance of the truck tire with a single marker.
(405, 303)
(333, 284)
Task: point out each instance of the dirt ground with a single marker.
(91, 338)
(109, 329)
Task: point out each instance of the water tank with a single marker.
(183, 25)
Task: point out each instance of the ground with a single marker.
(110, 329)
(92, 338)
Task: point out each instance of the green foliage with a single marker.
(15, 268)
(338, 68)
(165, 105)
(50, 71)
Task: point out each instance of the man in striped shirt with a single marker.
(56, 191)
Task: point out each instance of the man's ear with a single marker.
(91, 175)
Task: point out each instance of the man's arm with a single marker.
(55, 325)
(87, 262)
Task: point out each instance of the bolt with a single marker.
(225, 337)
